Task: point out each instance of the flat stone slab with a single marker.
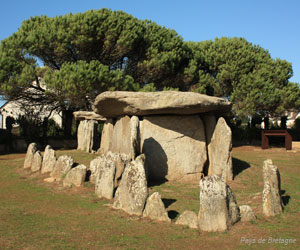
(88, 115)
(112, 104)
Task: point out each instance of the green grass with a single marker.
(39, 215)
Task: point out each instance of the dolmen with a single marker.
(182, 134)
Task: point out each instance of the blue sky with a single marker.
(272, 24)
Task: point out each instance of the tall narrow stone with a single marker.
(134, 137)
(132, 192)
(272, 202)
(106, 137)
(95, 166)
(37, 161)
(104, 187)
(218, 208)
(49, 160)
(220, 148)
(32, 148)
(87, 135)
(62, 166)
(121, 136)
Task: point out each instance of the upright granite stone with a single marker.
(49, 160)
(32, 148)
(106, 137)
(95, 166)
(220, 148)
(210, 123)
(121, 136)
(132, 192)
(247, 213)
(104, 187)
(188, 218)
(62, 166)
(272, 202)
(174, 146)
(87, 136)
(75, 176)
(113, 104)
(218, 209)
(37, 161)
(155, 208)
(134, 137)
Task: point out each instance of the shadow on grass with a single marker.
(238, 166)
(285, 198)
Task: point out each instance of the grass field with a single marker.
(39, 215)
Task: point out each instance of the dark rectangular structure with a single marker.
(265, 134)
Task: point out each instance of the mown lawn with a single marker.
(39, 215)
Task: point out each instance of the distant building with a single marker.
(14, 110)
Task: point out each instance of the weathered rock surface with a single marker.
(37, 161)
(210, 125)
(118, 103)
(220, 148)
(247, 213)
(134, 137)
(104, 187)
(272, 202)
(106, 137)
(121, 136)
(87, 136)
(75, 176)
(32, 148)
(62, 166)
(188, 218)
(132, 192)
(87, 115)
(218, 209)
(174, 146)
(95, 166)
(49, 160)
(155, 208)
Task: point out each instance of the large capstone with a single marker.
(32, 148)
(219, 150)
(88, 115)
(272, 202)
(218, 208)
(62, 166)
(75, 176)
(87, 137)
(37, 161)
(175, 146)
(132, 192)
(49, 160)
(113, 104)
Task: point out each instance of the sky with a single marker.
(272, 24)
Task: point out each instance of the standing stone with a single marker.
(49, 160)
(86, 135)
(106, 137)
(218, 209)
(75, 176)
(104, 187)
(272, 202)
(132, 192)
(32, 148)
(121, 136)
(210, 125)
(188, 218)
(220, 148)
(247, 213)
(95, 166)
(37, 161)
(134, 137)
(155, 208)
(174, 146)
(62, 166)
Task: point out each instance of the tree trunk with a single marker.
(67, 122)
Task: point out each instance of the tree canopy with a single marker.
(87, 53)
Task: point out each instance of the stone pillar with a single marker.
(87, 135)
